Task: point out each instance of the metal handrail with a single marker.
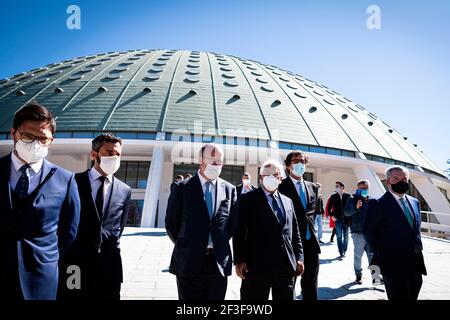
(440, 227)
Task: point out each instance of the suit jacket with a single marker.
(397, 246)
(239, 189)
(99, 233)
(337, 207)
(260, 240)
(304, 217)
(188, 225)
(46, 226)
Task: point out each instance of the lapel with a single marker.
(85, 187)
(5, 176)
(397, 206)
(269, 209)
(295, 197)
(199, 190)
(47, 172)
(111, 196)
(220, 194)
(416, 210)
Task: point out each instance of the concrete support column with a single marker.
(153, 186)
(367, 173)
(433, 196)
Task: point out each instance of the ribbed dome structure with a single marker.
(149, 91)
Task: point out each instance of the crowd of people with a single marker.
(60, 231)
(273, 233)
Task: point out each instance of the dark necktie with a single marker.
(23, 184)
(99, 198)
(277, 210)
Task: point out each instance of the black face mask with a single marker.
(400, 187)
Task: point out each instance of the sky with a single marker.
(399, 72)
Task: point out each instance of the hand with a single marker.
(333, 218)
(300, 268)
(240, 269)
(359, 204)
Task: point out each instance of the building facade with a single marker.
(165, 104)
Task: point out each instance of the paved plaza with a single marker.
(146, 257)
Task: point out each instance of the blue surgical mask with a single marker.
(298, 169)
(364, 193)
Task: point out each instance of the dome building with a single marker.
(165, 104)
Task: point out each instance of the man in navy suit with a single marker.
(392, 229)
(104, 209)
(267, 245)
(200, 221)
(304, 195)
(39, 209)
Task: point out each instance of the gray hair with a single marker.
(269, 164)
(389, 171)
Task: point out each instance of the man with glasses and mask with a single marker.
(267, 244)
(392, 229)
(304, 195)
(200, 221)
(104, 210)
(39, 206)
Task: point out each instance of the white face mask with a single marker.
(270, 183)
(31, 152)
(246, 182)
(212, 171)
(110, 165)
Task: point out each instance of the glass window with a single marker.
(134, 173)
(335, 152)
(135, 213)
(83, 135)
(144, 168)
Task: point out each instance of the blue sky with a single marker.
(400, 73)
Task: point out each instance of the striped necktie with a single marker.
(23, 184)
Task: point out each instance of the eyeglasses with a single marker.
(29, 138)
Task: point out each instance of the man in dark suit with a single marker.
(246, 185)
(200, 220)
(392, 229)
(342, 223)
(267, 245)
(304, 196)
(39, 209)
(104, 209)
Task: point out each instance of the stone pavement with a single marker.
(146, 256)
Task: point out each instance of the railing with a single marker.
(435, 227)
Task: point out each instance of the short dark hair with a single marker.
(340, 184)
(98, 142)
(293, 154)
(363, 182)
(34, 111)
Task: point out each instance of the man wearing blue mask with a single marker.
(304, 195)
(356, 207)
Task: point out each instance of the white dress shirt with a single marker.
(34, 173)
(397, 198)
(297, 187)
(95, 185)
(213, 194)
